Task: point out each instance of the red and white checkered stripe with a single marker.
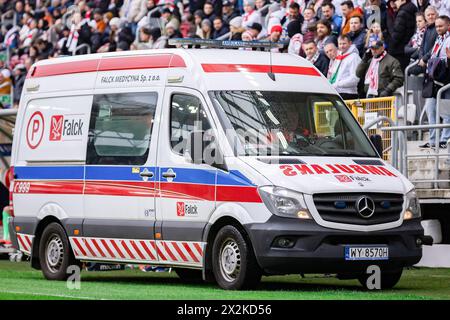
(25, 242)
(140, 251)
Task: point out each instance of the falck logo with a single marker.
(56, 127)
(185, 209)
(180, 209)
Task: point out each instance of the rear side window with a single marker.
(187, 114)
(120, 128)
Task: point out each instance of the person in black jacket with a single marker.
(429, 38)
(313, 55)
(403, 29)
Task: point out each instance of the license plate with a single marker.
(366, 253)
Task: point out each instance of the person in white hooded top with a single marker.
(343, 76)
(250, 15)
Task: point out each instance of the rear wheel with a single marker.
(234, 264)
(189, 275)
(388, 279)
(55, 254)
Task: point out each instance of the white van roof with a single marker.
(202, 69)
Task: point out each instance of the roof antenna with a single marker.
(270, 73)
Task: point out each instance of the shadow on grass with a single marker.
(267, 285)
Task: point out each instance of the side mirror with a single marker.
(377, 143)
(202, 150)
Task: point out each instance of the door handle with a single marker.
(146, 174)
(169, 174)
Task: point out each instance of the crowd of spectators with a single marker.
(361, 46)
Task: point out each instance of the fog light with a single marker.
(284, 243)
(408, 215)
(303, 214)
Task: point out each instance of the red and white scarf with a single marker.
(72, 40)
(337, 63)
(372, 75)
(438, 44)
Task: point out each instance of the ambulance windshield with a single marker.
(290, 124)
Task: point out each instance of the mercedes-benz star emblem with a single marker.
(365, 207)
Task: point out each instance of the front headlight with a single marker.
(284, 202)
(412, 206)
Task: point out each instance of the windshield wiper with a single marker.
(343, 152)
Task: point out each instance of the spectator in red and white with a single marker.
(295, 37)
(413, 47)
(220, 29)
(343, 77)
(443, 6)
(31, 33)
(439, 52)
(358, 33)
(275, 35)
(329, 14)
(247, 36)
(310, 18)
(324, 35)
(250, 15)
(428, 40)
(313, 55)
(331, 51)
(381, 72)
(349, 11)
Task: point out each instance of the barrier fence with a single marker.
(365, 111)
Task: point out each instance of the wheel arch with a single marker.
(41, 225)
(210, 234)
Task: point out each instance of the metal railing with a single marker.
(403, 156)
(81, 46)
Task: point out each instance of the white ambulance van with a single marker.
(225, 165)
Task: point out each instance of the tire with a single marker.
(55, 253)
(189, 275)
(388, 279)
(233, 261)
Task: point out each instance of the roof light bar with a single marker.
(225, 43)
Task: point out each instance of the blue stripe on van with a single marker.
(115, 173)
(49, 173)
(125, 173)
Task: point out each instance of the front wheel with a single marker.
(388, 279)
(234, 264)
(55, 254)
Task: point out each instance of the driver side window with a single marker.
(186, 115)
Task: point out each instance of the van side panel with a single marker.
(49, 167)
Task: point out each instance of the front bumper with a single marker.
(321, 250)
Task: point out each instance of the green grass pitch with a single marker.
(20, 281)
